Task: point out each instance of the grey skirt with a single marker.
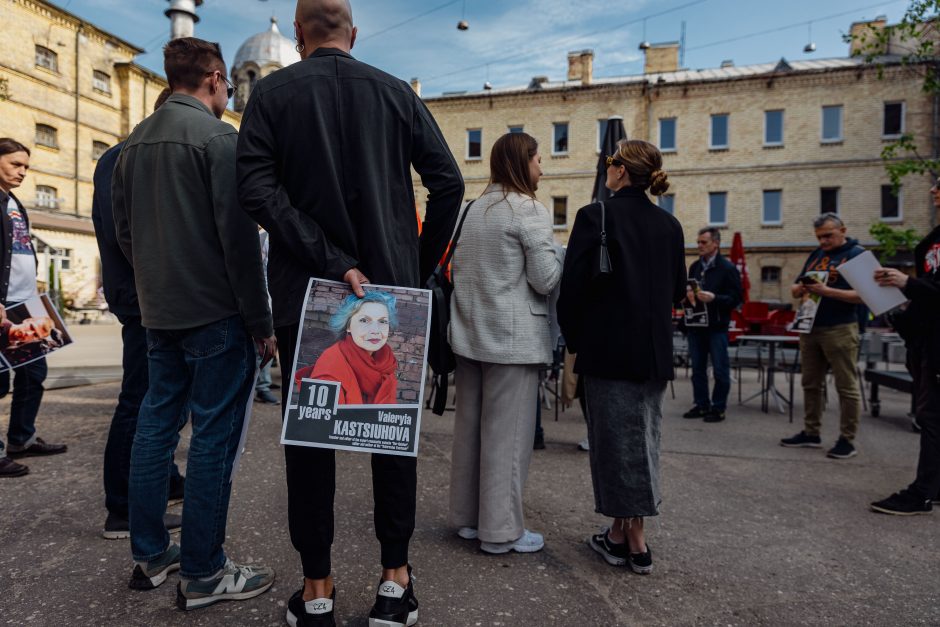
(623, 420)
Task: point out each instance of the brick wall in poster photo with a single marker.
(407, 341)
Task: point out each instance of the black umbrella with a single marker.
(613, 134)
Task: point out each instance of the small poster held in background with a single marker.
(809, 305)
(696, 312)
(358, 375)
(32, 330)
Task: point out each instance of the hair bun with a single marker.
(659, 182)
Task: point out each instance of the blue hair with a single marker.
(352, 303)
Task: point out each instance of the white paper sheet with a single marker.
(244, 436)
(860, 273)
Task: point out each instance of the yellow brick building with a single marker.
(72, 91)
(759, 149)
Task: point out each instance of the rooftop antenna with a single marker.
(682, 46)
(462, 24)
(487, 85)
(811, 46)
(644, 45)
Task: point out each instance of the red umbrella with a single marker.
(737, 258)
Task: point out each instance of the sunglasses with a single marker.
(611, 160)
(230, 88)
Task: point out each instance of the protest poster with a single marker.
(358, 375)
(809, 303)
(32, 330)
(695, 311)
(859, 272)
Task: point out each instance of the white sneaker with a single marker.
(467, 533)
(584, 445)
(529, 542)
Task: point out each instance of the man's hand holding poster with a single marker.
(358, 376)
(696, 311)
(32, 329)
(809, 303)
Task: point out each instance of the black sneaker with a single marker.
(539, 443)
(149, 575)
(715, 415)
(642, 563)
(613, 554)
(315, 613)
(801, 440)
(903, 503)
(842, 450)
(696, 412)
(117, 528)
(394, 606)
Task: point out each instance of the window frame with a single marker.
(96, 78)
(708, 216)
(601, 131)
(711, 131)
(838, 191)
(776, 144)
(467, 155)
(559, 227)
(53, 131)
(510, 128)
(763, 207)
(777, 269)
(97, 145)
(672, 201)
(822, 124)
(675, 135)
(900, 200)
(567, 150)
(884, 118)
(47, 197)
(48, 53)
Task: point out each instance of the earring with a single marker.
(299, 48)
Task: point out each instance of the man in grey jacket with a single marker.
(203, 302)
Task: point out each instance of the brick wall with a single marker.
(407, 341)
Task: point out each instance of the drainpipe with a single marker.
(78, 37)
(932, 212)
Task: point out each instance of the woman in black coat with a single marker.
(619, 323)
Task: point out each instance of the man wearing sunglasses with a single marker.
(200, 287)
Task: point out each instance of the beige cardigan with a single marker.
(505, 264)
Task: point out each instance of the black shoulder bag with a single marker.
(440, 355)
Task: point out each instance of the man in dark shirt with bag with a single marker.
(324, 165)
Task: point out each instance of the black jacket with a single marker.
(325, 152)
(919, 325)
(724, 280)
(620, 325)
(6, 241)
(117, 274)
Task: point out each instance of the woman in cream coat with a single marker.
(505, 265)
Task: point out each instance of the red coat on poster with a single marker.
(365, 378)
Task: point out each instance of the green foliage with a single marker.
(917, 35)
(891, 240)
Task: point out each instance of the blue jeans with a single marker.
(27, 396)
(210, 369)
(701, 345)
(117, 452)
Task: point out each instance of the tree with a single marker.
(917, 38)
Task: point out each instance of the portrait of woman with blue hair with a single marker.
(361, 360)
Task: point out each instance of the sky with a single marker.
(510, 41)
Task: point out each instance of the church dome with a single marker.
(267, 48)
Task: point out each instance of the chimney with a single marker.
(662, 58)
(863, 36)
(537, 82)
(183, 18)
(581, 66)
(727, 63)
(416, 86)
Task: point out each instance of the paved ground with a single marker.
(750, 533)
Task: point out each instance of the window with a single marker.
(475, 143)
(101, 81)
(46, 58)
(717, 208)
(667, 134)
(770, 274)
(828, 200)
(64, 257)
(668, 203)
(560, 211)
(772, 211)
(47, 197)
(894, 119)
(560, 139)
(47, 136)
(773, 128)
(832, 123)
(601, 131)
(516, 129)
(98, 149)
(718, 138)
(890, 204)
